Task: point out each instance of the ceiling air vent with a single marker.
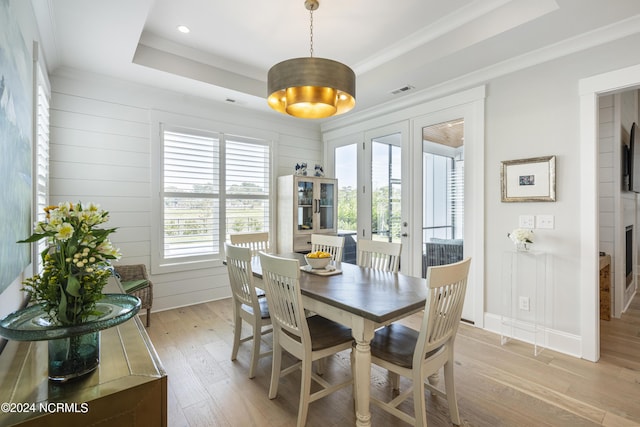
(403, 89)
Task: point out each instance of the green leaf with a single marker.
(62, 308)
(73, 286)
(33, 238)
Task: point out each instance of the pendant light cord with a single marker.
(311, 31)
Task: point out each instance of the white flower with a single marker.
(521, 235)
(65, 231)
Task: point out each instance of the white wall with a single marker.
(617, 205)
(628, 105)
(535, 112)
(100, 152)
(610, 180)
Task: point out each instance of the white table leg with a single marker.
(362, 369)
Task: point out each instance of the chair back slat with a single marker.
(378, 255)
(281, 282)
(331, 244)
(255, 241)
(241, 274)
(443, 309)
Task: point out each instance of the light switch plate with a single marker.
(544, 221)
(526, 221)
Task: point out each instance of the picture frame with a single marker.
(529, 180)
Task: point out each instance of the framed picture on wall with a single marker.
(529, 180)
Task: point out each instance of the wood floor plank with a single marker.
(497, 385)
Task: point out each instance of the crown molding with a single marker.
(600, 36)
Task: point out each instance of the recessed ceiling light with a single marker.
(183, 29)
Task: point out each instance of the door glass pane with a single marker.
(305, 205)
(325, 207)
(443, 193)
(347, 175)
(386, 188)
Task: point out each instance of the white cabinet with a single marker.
(306, 205)
(524, 312)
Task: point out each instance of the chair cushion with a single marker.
(146, 297)
(264, 308)
(134, 285)
(326, 333)
(396, 344)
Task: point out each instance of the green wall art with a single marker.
(15, 148)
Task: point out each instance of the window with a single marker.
(443, 197)
(386, 190)
(191, 195)
(347, 176)
(207, 176)
(247, 184)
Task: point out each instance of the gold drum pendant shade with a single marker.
(311, 88)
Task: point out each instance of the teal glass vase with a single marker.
(74, 350)
(73, 356)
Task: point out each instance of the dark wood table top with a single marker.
(374, 295)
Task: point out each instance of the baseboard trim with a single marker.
(552, 339)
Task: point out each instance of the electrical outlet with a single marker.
(526, 221)
(544, 221)
(523, 303)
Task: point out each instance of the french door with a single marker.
(378, 201)
(449, 202)
(382, 213)
(372, 171)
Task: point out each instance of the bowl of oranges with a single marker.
(318, 260)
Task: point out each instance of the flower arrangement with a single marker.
(75, 263)
(520, 236)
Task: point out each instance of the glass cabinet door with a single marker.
(326, 203)
(306, 205)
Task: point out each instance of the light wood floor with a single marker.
(496, 385)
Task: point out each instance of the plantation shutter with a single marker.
(191, 194)
(41, 161)
(456, 198)
(247, 185)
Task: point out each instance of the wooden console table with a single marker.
(129, 388)
(605, 287)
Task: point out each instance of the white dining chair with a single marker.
(246, 304)
(419, 354)
(255, 241)
(326, 243)
(307, 338)
(379, 255)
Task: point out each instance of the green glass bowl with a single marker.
(32, 323)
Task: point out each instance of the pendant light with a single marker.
(311, 88)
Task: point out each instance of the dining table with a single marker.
(362, 299)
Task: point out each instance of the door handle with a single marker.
(405, 235)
